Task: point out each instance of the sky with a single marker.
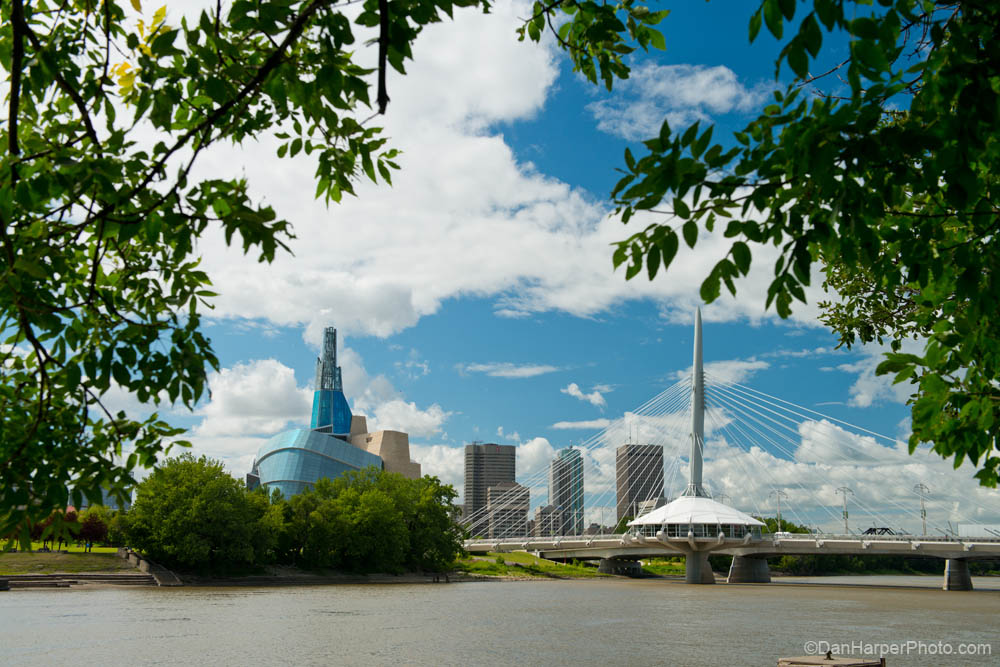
(475, 298)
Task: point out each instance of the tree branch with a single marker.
(383, 50)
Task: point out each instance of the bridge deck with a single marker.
(632, 546)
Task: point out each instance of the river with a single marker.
(592, 622)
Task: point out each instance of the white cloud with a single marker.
(870, 389)
(478, 222)
(594, 398)
(399, 415)
(680, 93)
(594, 424)
(533, 458)
(257, 397)
(442, 461)
(507, 370)
(732, 370)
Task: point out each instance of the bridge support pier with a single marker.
(628, 568)
(697, 569)
(749, 570)
(956, 575)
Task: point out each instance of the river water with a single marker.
(592, 622)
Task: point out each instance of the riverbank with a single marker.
(62, 562)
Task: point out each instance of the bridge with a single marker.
(697, 523)
(619, 553)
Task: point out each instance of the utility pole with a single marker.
(844, 490)
(778, 493)
(922, 491)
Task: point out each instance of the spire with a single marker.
(327, 370)
(330, 408)
(694, 487)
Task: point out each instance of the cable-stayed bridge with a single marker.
(691, 471)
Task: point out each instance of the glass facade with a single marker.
(330, 408)
(566, 489)
(294, 460)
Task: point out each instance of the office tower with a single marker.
(549, 521)
(639, 474)
(507, 505)
(566, 489)
(485, 465)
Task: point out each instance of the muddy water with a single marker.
(618, 622)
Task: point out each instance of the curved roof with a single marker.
(695, 509)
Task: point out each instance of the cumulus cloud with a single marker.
(260, 396)
(478, 221)
(680, 93)
(870, 389)
(586, 424)
(732, 370)
(445, 462)
(594, 398)
(400, 415)
(507, 370)
(533, 458)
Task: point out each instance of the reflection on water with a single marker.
(616, 622)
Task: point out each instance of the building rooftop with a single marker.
(695, 510)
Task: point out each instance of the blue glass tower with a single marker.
(330, 413)
(566, 489)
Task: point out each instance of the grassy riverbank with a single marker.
(33, 562)
(663, 567)
(522, 564)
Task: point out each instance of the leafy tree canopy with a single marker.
(190, 513)
(888, 180)
(100, 289)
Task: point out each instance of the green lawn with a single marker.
(51, 563)
(74, 548)
(523, 564)
(663, 566)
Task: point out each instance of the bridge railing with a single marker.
(881, 538)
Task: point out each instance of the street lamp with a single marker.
(779, 493)
(844, 490)
(922, 491)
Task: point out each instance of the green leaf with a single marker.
(755, 23)
(72, 376)
(772, 17)
(681, 209)
(690, 230)
(710, 288)
(652, 261)
(741, 256)
(668, 244)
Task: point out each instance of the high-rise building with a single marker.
(548, 521)
(486, 465)
(336, 441)
(566, 489)
(639, 476)
(507, 505)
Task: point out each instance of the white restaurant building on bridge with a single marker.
(696, 516)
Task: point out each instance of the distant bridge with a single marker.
(618, 553)
(771, 432)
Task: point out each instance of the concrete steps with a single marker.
(15, 581)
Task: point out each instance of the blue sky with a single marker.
(475, 298)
